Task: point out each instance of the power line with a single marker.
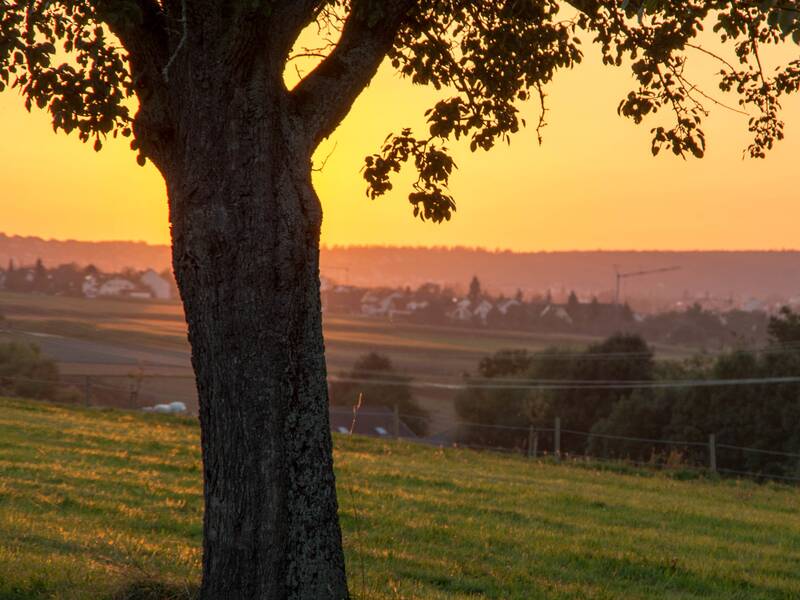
(635, 439)
(569, 385)
(528, 385)
(759, 451)
(783, 348)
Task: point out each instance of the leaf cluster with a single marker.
(489, 56)
(656, 37)
(60, 57)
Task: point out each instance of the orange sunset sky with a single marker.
(592, 185)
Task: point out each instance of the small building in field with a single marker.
(557, 313)
(376, 305)
(159, 287)
(116, 287)
(417, 305)
(482, 310)
(461, 312)
(506, 305)
(90, 288)
(140, 295)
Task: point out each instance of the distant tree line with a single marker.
(358, 391)
(68, 279)
(763, 415)
(26, 373)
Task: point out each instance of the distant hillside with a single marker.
(106, 256)
(768, 274)
(721, 274)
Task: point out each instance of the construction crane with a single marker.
(621, 276)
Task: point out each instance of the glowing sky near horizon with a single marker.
(593, 184)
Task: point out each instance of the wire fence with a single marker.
(563, 444)
(557, 442)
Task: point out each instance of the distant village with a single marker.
(705, 320)
(436, 304)
(702, 320)
(88, 282)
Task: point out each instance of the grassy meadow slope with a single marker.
(107, 504)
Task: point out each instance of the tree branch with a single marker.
(324, 97)
(147, 41)
(184, 35)
(288, 20)
(587, 7)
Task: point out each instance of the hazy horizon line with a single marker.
(433, 247)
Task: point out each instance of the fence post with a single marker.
(88, 391)
(712, 452)
(557, 438)
(396, 422)
(532, 442)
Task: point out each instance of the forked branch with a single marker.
(324, 97)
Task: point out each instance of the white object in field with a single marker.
(173, 408)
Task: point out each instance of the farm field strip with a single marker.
(146, 317)
(150, 330)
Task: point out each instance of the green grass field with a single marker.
(107, 504)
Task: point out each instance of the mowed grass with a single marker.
(107, 504)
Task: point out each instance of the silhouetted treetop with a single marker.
(486, 57)
(784, 328)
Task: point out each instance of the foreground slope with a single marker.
(98, 504)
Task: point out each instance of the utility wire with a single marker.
(568, 385)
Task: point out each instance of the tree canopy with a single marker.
(784, 328)
(83, 60)
(234, 144)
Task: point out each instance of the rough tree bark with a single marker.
(235, 147)
(246, 256)
(245, 226)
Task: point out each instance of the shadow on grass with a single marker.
(146, 589)
(128, 589)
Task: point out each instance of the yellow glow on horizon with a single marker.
(592, 185)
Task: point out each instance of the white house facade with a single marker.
(159, 286)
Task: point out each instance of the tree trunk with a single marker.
(245, 227)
